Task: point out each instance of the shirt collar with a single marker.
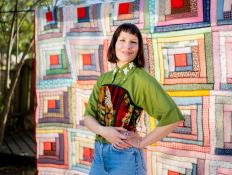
(124, 70)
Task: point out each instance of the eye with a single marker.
(134, 42)
(122, 40)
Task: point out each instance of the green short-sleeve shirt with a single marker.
(142, 90)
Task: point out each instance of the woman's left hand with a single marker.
(134, 139)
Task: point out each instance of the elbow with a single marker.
(178, 123)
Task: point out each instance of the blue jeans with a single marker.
(109, 160)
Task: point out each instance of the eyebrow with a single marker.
(126, 37)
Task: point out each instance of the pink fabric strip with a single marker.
(205, 119)
(194, 122)
(227, 126)
(224, 171)
(182, 146)
(228, 58)
(213, 12)
(216, 60)
(185, 80)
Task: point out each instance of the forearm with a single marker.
(157, 134)
(93, 125)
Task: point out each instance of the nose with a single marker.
(129, 45)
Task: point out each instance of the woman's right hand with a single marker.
(115, 137)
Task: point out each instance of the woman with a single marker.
(116, 103)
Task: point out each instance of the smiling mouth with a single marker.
(127, 53)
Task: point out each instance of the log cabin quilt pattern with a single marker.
(188, 49)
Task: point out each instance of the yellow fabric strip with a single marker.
(189, 93)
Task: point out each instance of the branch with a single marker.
(28, 49)
(3, 118)
(24, 16)
(10, 45)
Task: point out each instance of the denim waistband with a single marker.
(113, 161)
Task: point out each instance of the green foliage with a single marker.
(24, 16)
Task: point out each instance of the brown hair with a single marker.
(132, 29)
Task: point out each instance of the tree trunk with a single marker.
(10, 93)
(10, 46)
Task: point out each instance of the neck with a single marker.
(121, 64)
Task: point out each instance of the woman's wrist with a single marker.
(141, 143)
(101, 130)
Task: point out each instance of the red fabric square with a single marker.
(123, 8)
(173, 173)
(86, 58)
(88, 154)
(54, 59)
(177, 3)
(52, 104)
(47, 146)
(180, 60)
(81, 12)
(49, 17)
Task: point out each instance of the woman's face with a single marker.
(126, 48)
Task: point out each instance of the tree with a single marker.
(16, 39)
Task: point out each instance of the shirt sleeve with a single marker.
(91, 109)
(157, 103)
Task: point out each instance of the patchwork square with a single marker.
(179, 14)
(171, 164)
(54, 59)
(83, 14)
(173, 173)
(183, 61)
(222, 167)
(130, 12)
(49, 17)
(52, 148)
(180, 60)
(223, 115)
(177, 3)
(88, 154)
(88, 68)
(85, 19)
(125, 8)
(50, 23)
(53, 108)
(194, 133)
(81, 150)
(54, 66)
(86, 58)
(223, 10)
(82, 95)
(49, 149)
(222, 50)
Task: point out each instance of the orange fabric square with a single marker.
(177, 3)
(81, 12)
(54, 59)
(180, 60)
(51, 103)
(49, 16)
(86, 58)
(173, 173)
(47, 146)
(123, 8)
(87, 152)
